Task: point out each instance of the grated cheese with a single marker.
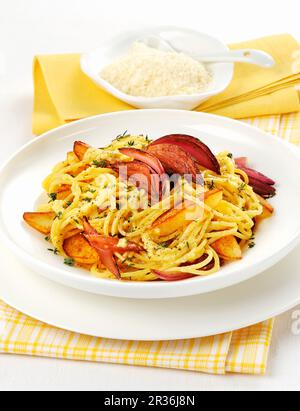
(148, 72)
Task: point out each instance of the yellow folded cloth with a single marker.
(244, 351)
(63, 93)
(257, 91)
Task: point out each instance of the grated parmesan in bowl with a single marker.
(149, 72)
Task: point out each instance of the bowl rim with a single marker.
(97, 79)
(116, 288)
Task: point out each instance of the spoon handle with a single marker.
(249, 56)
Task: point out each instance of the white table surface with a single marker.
(54, 26)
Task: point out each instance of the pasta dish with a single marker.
(139, 210)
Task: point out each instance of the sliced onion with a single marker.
(200, 151)
(175, 160)
(144, 157)
(109, 261)
(106, 247)
(149, 183)
(255, 175)
(265, 190)
(168, 276)
(241, 161)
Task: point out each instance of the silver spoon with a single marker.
(249, 56)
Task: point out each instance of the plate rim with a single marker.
(113, 334)
(123, 286)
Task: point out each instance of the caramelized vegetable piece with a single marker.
(72, 233)
(144, 157)
(145, 178)
(41, 222)
(78, 248)
(63, 192)
(80, 149)
(193, 146)
(174, 220)
(105, 242)
(268, 209)
(106, 247)
(175, 160)
(228, 248)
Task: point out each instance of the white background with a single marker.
(55, 26)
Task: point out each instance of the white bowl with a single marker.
(93, 62)
(21, 178)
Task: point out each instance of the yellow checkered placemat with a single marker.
(244, 351)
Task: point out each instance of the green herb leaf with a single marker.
(122, 136)
(54, 251)
(53, 197)
(242, 187)
(59, 216)
(210, 185)
(100, 164)
(69, 261)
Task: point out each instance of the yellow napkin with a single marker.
(63, 93)
(244, 351)
(257, 91)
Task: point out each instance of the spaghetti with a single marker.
(91, 189)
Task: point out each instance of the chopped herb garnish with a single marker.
(70, 262)
(69, 203)
(252, 244)
(124, 135)
(53, 197)
(164, 245)
(242, 187)
(54, 251)
(100, 164)
(210, 185)
(131, 143)
(47, 238)
(59, 215)
(230, 155)
(87, 199)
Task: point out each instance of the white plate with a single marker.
(21, 177)
(256, 300)
(184, 39)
